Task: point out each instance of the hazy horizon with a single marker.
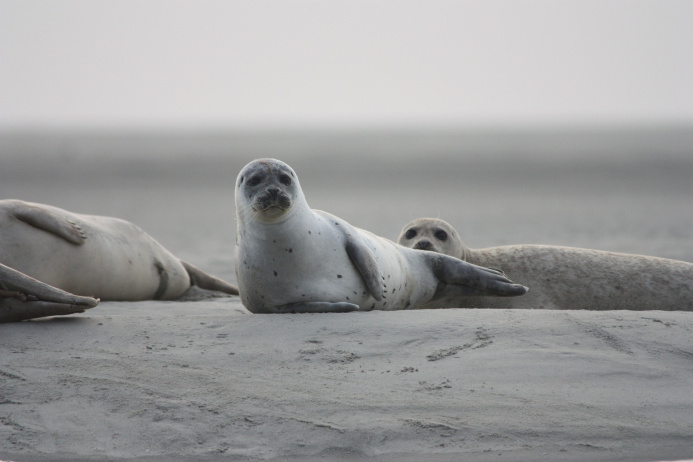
(353, 64)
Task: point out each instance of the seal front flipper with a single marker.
(464, 279)
(366, 264)
(206, 281)
(317, 307)
(50, 222)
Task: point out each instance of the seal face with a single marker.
(432, 234)
(290, 258)
(565, 277)
(270, 189)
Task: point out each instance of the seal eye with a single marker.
(285, 180)
(441, 235)
(411, 234)
(254, 181)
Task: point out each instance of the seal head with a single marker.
(435, 235)
(269, 190)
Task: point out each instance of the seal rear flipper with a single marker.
(317, 307)
(206, 281)
(16, 282)
(23, 297)
(50, 222)
(366, 264)
(14, 310)
(471, 280)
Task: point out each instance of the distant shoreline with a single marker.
(576, 141)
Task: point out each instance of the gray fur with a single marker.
(566, 277)
(104, 257)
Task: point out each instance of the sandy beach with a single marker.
(207, 380)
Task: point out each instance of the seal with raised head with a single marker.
(23, 297)
(290, 258)
(103, 257)
(565, 278)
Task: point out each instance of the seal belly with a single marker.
(296, 267)
(117, 261)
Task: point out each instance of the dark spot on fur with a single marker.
(309, 232)
(348, 298)
(372, 306)
(339, 276)
(275, 273)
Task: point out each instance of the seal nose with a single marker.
(273, 192)
(423, 244)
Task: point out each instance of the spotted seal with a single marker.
(290, 258)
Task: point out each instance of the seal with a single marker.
(103, 257)
(23, 297)
(290, 258)
(565, 278)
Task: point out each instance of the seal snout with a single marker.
(272, 197)
(423, 244)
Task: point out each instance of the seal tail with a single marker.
(206, 281)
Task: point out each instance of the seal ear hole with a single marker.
(411, 234)
(285, 180)
(441, 235)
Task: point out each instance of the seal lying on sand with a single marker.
(563, 278)
(290, 258)
(22, 297)
(103, 257)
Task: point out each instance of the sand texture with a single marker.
(206, 380)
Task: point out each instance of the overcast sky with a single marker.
(229, 64)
